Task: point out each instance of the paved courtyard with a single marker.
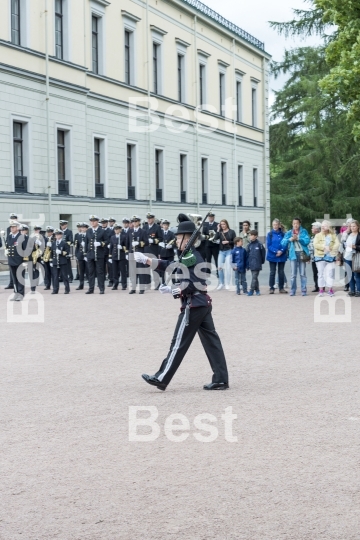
(69, 470)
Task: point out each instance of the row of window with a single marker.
(99, 157)
(97, 42)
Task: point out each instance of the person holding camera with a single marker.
(195, 314)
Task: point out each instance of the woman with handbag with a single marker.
(352, 258)
(298, 240)
(326, 245)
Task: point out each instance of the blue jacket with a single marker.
(256, 255)
(273, 245)
(239, 257)
(304, 240)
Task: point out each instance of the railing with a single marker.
(99, 191)
(63, 186)
(224, 198)
(20, 184)
(204, 198)
(183, 196)
(131, 192)
(159, 196)
(224, 22)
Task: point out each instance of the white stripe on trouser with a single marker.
(175, 349)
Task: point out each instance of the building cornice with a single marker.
(130, 16)
(182, 42)
(158, 30)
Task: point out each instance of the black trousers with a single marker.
(34, 274)
(82, 271)
(47, 278)
(200, 322)
(18, 285)
(119, 272)
(281, 274)
(211, 252)
(315, 274)
(69, 269)
(99, 267)
(56, 273)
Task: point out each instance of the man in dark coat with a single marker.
(60, 250)
(117, 257)
(69, 239)
(95, 242)
(211, 248)
(138, 240)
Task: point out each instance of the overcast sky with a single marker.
(253, 16)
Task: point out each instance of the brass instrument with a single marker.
(198, 220)
(47, 252)
(36, 253)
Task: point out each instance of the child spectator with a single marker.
(256, 258)
(239, 264)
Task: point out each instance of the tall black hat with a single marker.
(186, 226)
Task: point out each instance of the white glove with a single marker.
(134, 244)
(127, 257)
(24, 264)
(48, 244)
(58, 251)
(119, 246)
(151, 241)
(165, 289)
(140, 258)
(38, 242)
(162, 244)
(83, 244)
(51, 264)
(110, 261)
(97, 244)
(85, 259)
(169, 246)
(6, 252)
(108, 246)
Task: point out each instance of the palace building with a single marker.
(121, 107)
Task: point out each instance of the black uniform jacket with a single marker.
(138, 236)
(56, 259)
(206, 229)
(166, 238)
(77, 240)
(118, 254)
(95, 236)
(68, 237)
(154, 233)
(192, 282)
(16, 248)
(79, 253)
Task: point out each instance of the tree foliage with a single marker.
(315, 160)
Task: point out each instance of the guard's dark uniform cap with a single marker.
(186, 226)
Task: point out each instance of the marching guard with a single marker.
(195, 317)
(95, 242)
(59, 266)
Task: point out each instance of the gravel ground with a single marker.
(69, 471)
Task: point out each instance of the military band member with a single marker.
(16, 244)
(117, 257)
(12, 217)
(76, 247)
(153, 231)
(60, 250)
(79, 255)
(138, 242)
(68, 238)
(211, 248)
(112, 222)
(49, 239)
(35, 257)
(108, 234)
(166, 246)
(195, 317)
(95, 242)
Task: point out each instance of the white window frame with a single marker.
(224, 187)
(186, 175)
(67, 42)
(254, 103)
(202, 61)
(69, 166)
(103, 162)
(255, 181)
(24, 23)
(206, 180)
(181, 50)
(129, 25)
(134, 165)
(240, 183)
(26, 122)
(222, 77)
(97, 9)
(157, 38)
